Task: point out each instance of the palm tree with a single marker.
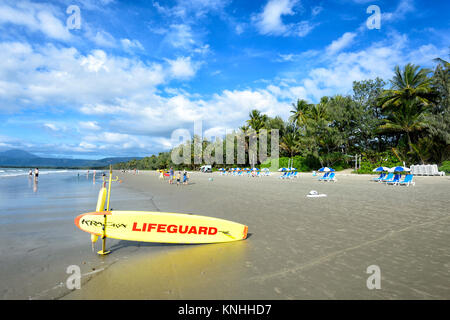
(289, 142)
(411, 83)
(407, 102)
(300, 111)
(318, 112)
(407, 119)
(257, 120)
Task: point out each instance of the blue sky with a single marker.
(135, 71)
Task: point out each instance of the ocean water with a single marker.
(56, 194)
(14, 172)
(38, 237)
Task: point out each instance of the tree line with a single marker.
(405, 119)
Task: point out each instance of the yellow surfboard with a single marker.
(161, 227)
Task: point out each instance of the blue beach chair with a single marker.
(387, 178)
(382, 175)
(331, 177)
(324, 177)
(407, 181)
(395, 180)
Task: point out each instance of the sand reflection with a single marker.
(187, 272)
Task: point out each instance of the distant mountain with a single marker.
(20, 158)
(17, 154)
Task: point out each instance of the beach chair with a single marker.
(422, 170)
(295, 175)
(407, 181)
(428, 170)
(395, 180)
(324, 177)
(437, 172)
(382, 175)
(283, 175)
(387, 178)
(331, 177)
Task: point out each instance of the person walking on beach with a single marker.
(178, 178)
(161, 174)
(185, 177)
(171, 175)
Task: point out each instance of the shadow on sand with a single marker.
(137, 244)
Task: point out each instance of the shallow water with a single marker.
(38, 238)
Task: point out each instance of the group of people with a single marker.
(181, 178)
(36, 173)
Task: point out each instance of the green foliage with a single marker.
(445, 167)
(302, 164)
(370, 161)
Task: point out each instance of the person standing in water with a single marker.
(30, 173)
(36, 174)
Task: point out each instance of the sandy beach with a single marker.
(297, 248)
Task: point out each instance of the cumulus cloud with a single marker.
(131, 45)
(182, 68)
(344, 41)
(270, 22)
(46, 74)
(35, 17)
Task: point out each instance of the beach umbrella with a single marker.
(325, 169)
(399, 169)
(255, 169)
(380, 169)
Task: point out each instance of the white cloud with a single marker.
(338, 71)
(344, 41)
(51, 126)
(182, 68)
(62, 76)
(35, 17)
(269, 21)
(404, 7)
(89, 125)
(316, 10)
(180, 36)
(131, 45)
(103, 39)
(193, 9)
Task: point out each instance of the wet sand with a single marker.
(298, 247)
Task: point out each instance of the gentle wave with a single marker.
(18, 172)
